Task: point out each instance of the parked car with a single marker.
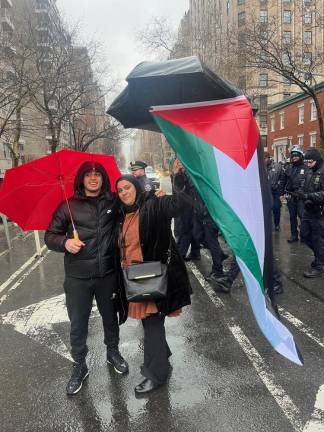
(153, 176)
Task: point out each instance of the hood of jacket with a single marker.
(85, 168)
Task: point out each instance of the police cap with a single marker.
(135, 165)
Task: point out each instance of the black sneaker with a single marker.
(115, 359)
(223, 284)
(212, 276)
(292, 239)
(314, 272)
(79, 374)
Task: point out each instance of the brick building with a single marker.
(294, 121)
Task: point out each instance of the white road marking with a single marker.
(23, 277)
(285, 403)
(281, 397)
(36, 321)
(17, 273)
(316, 423)
(302, 327)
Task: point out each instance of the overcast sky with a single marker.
(115, 22)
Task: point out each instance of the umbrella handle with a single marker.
(75, 235)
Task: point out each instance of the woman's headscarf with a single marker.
(139, 194)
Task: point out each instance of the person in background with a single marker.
(312, 225)
(293, 181)
(275, 173)
(138, 170)
(145, 235)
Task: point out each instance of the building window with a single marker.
(240, 2)
(263, 80)
(263, 16)
(287, 17)
(308, 17)
(312, 139)
(281, 120)
(307, 37)
(286, 37)
(307, 58)
(263, 103)
(301, 113)
(300, 139)
(241, 18)
(285, 59)
(263, 121)
(272, 123)
(264, 37)
(313, 115)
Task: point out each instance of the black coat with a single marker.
(294, 176)
(155, 234)
(275, 173)
(95, 221)
(314, 190)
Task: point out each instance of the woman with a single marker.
(145, 235)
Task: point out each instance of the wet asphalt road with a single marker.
(225, 375)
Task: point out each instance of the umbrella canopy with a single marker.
(170, 82)
(31, 192)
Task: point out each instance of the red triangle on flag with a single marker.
(228, 126)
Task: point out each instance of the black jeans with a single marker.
(186, 234)
(276, 208)
(211, 238)
(296, 209)
(79, 295)
(156, 349)
(312, 232)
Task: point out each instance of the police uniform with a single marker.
(294, 179)
(312, 227)
(146, 184)
(276, 177)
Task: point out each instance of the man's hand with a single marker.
(73, 246)
(160, 193)
(177, 167)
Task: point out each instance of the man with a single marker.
(294, 178)
(89, 266)
(138, 171)
(312, 226)
(185, 223)
(275, 175)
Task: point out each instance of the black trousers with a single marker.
(79, 295)
(312, 232)
(156, 349)
(186, 235)
(296, 209)
(276, 208)
(211, 238)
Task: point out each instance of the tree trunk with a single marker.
(17, 134)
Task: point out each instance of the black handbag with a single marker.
(146, 281)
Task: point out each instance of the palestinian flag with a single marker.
(217, 142)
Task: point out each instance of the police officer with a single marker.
(294, 179)
(275, 175)
(138, 171)
(312, 226)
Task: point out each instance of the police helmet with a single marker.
(297, 150)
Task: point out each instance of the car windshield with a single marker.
(149, 169)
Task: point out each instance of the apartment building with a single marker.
(6, 29)
(294, 121)
(214, 22)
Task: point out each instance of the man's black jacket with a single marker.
(294, 176)
(94, 219)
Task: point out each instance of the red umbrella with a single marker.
(31, 192)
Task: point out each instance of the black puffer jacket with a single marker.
(294, 176)
(94, 219)
(314, 190)
(155, 234)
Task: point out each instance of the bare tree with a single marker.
(293, 58)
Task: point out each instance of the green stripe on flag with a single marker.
(199, 160)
